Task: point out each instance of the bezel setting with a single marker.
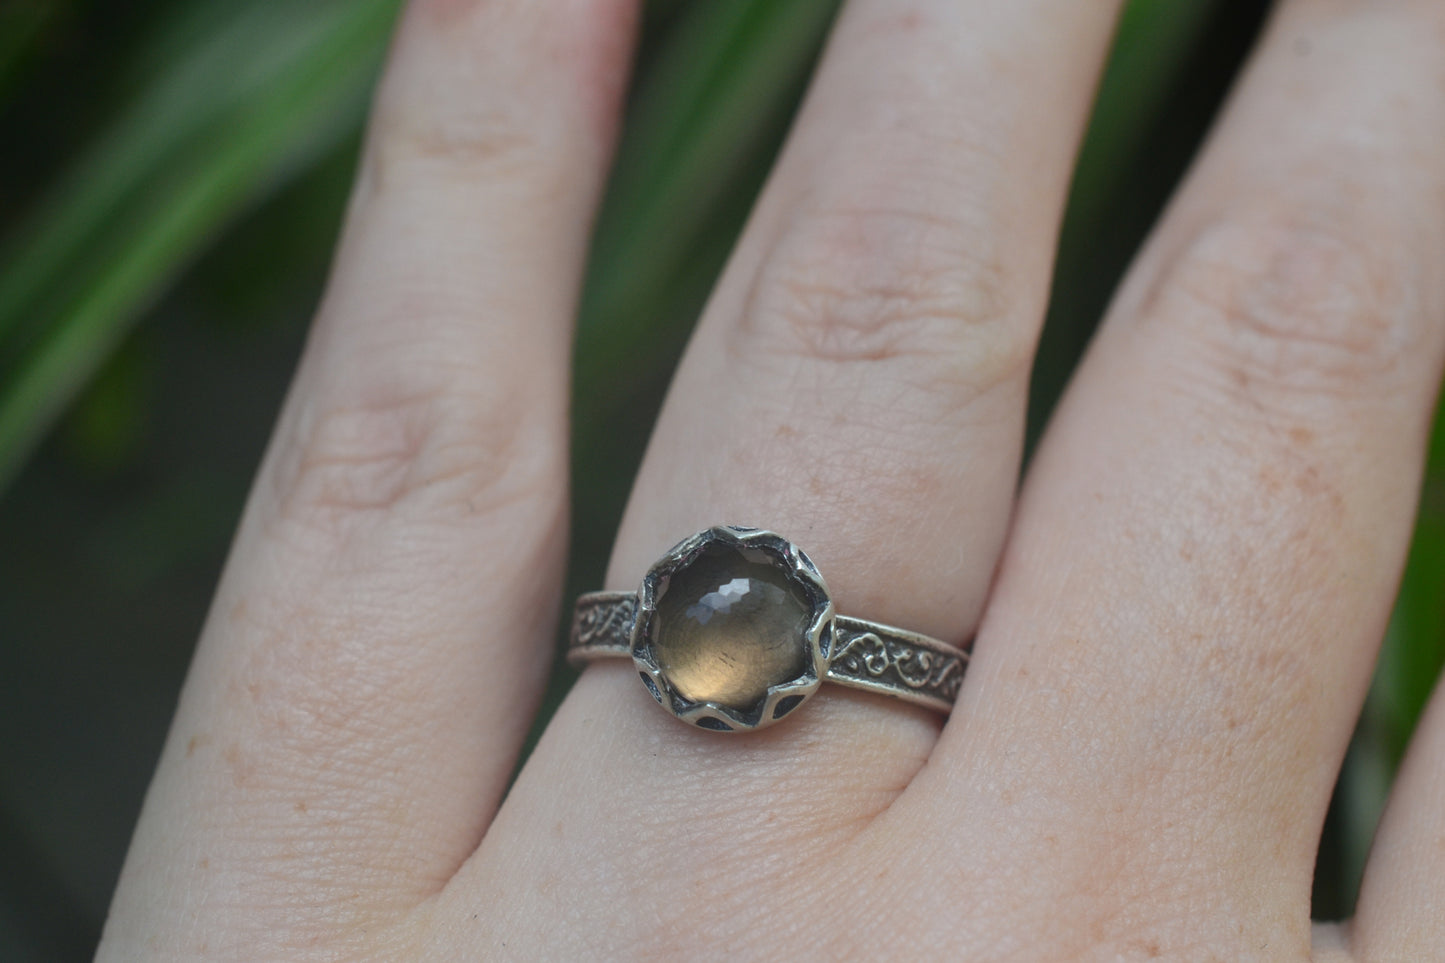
(782, 698)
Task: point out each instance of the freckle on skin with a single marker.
(1309, 481)
(241, 768)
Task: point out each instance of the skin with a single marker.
(1176, 613)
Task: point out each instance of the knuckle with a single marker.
(407, 143)
(1298, 303)
(465, 97)
(435, 449)
(869, 285)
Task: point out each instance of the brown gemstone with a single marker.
(730, 625)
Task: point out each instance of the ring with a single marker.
(733, 629)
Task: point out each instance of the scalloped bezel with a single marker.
(782, 699)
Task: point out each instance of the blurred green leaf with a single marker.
(1151, 46)
(726, 78)
(267, 92)
(109, 419)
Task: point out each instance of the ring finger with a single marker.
(857, 383)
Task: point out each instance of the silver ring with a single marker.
(733, 629)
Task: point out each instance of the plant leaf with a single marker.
(263, 96)
(709, 110)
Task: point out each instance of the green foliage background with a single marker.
(172, 179)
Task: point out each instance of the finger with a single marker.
(876, 326)
(1398, 916)
(1209, 540)
(378, 643)
(858, 384)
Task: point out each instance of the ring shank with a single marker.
(863, 655)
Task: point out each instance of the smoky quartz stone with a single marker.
(730, 624)
(733, 629)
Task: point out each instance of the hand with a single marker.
(1171, 648)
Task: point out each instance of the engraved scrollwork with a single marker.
(865, 654)
(605, 622)
(894, 661)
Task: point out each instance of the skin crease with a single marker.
(1176, 614)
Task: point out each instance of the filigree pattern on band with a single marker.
(866, 655)
(898, 663)
(602, 623)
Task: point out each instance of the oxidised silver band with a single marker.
(866, 655)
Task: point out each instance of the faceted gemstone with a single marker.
(729, 625)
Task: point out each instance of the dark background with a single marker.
(167, 210)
